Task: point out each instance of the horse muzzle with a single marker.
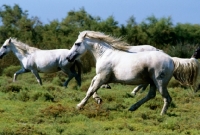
(72, 57)
(1, 55)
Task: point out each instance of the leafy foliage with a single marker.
(27, 108)
(159, 32)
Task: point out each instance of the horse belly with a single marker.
(131, 80)
(47, 67)
(131, 76)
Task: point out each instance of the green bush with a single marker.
(181, 51)
(12, 88)
(9, 71)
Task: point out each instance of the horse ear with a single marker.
(85, 35)
(9, 39)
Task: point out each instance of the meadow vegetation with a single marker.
(28, 108)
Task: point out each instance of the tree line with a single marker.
(175, 39)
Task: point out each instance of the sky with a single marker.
(181, 11)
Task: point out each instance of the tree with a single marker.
(15, 23)
(159, 31)
(134, 33)
(187, 33)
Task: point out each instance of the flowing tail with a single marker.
(186, 71)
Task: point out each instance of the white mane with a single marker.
(22, 47)
(116, 43)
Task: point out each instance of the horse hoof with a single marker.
(133, 93)
(132, 108)
(106, 86)
(78, 107)
(99, 101)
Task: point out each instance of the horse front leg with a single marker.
(37, 76)
(96, 82)
(77, 78)
(78, 64)
(22, 70)
(70, 76)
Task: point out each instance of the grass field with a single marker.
(30, 109)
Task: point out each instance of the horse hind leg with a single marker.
(151, 94)
(106, 86)
(37, 76)
(167, 99)
(136, 89)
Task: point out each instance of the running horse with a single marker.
(138, 48)
(46, 61)
(114, 64)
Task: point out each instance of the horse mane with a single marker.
(186, 71)
(22, 47)
(116, 43)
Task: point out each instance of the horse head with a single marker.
(78, 49)
(196, 54)
(5, 48)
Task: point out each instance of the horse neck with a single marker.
(99, 49)
(17, 52)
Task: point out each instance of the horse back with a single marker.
(48, 60)
(138, 67)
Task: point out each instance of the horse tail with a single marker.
(186, 71)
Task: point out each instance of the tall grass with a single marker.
(28, 108)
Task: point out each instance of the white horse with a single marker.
(114, 64)
(45, 61)
(139, 48)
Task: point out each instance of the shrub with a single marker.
(12, 88)
(9, 71)
(54, 110)
(181, 51)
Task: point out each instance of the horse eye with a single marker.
(78, 44)
(5, 47)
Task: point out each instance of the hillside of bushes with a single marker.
(30, 109)
(178, 40)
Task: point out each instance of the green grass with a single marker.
(28, 108)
